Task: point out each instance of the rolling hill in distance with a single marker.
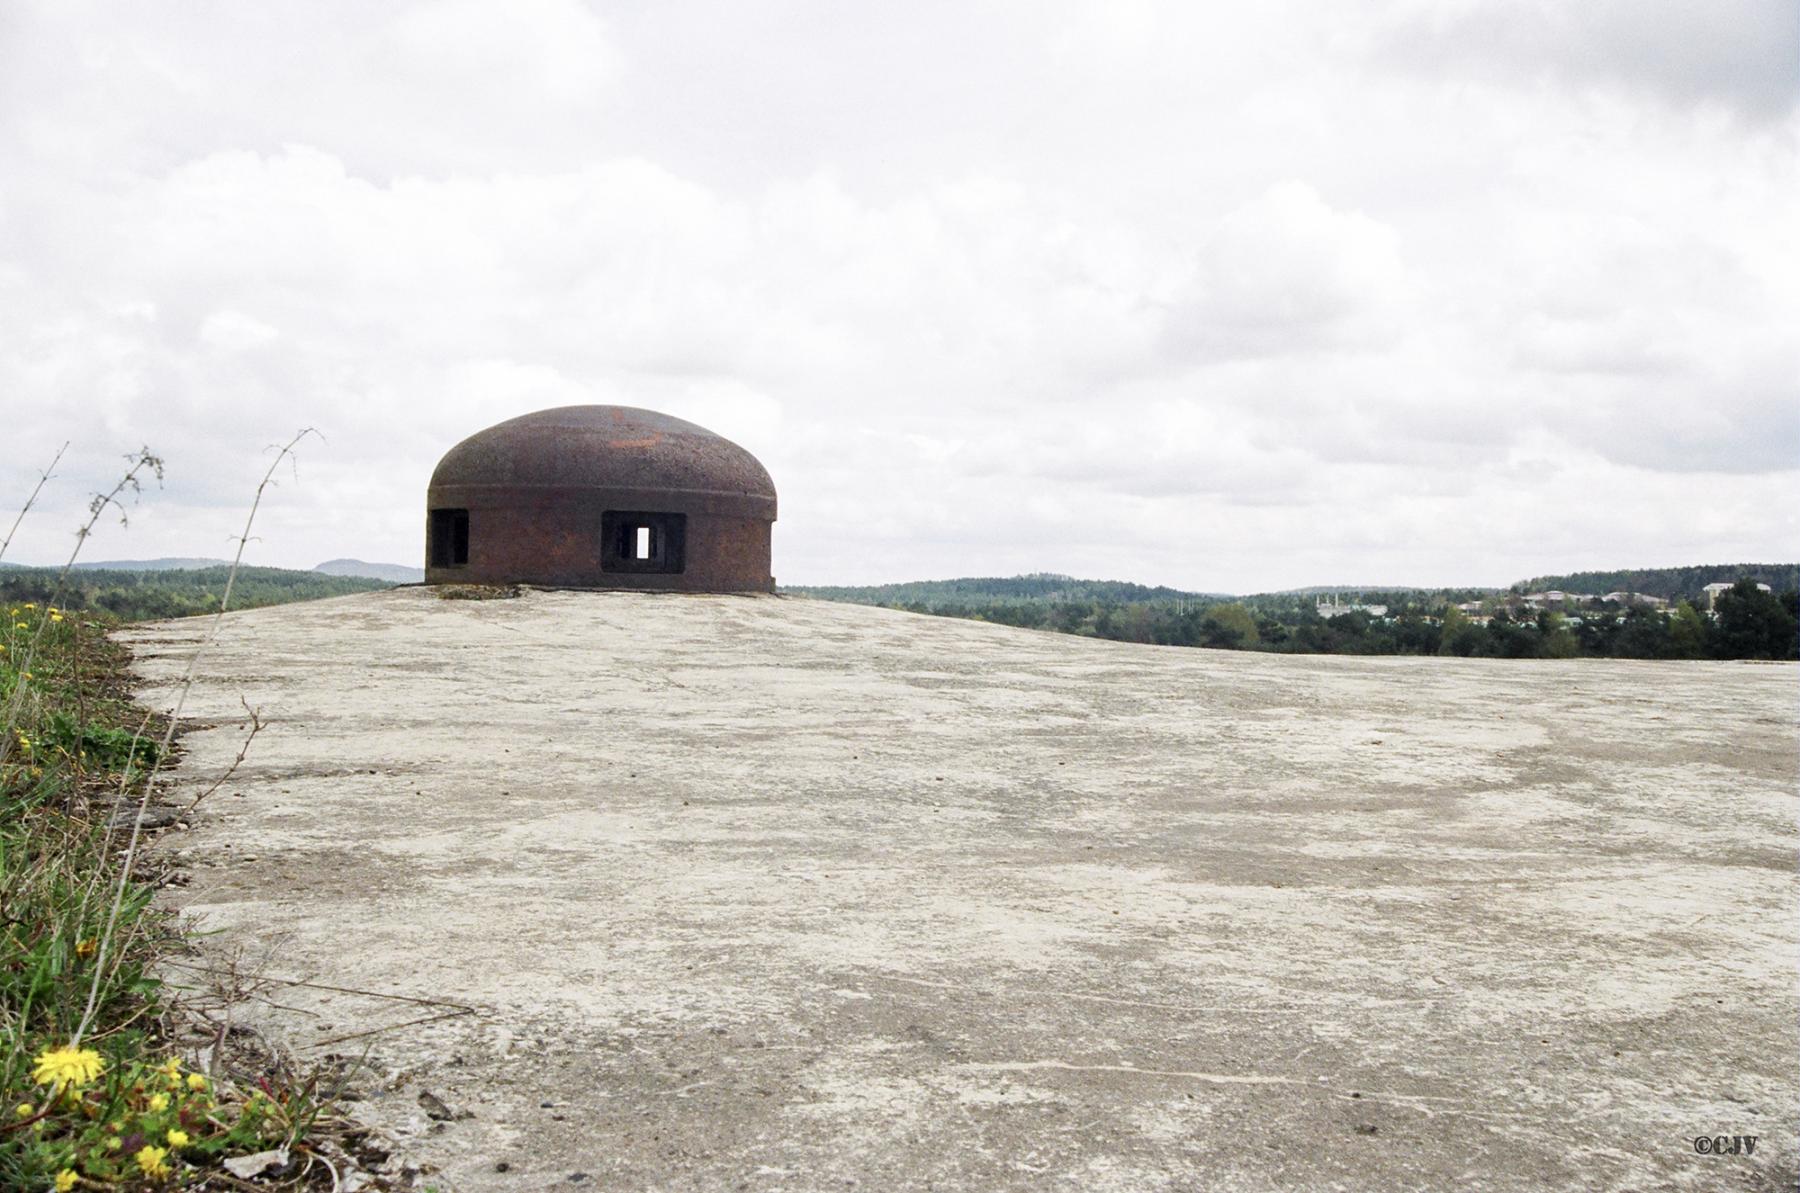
(393, 573)
(1040, 586)
(1484, 622)
(1398, 620)
(140, 594)
(152, 565)
(1671, 584)
(1668, 583)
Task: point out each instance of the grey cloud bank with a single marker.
(1176, 293)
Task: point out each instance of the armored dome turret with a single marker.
(600, 497)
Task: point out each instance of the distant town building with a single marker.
(1711, 592)
(1638, 599)
(1335, 608)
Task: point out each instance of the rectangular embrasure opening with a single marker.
(449, 538)
(642, 541)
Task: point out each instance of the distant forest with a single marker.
(1671, 584)
(1747, 623)
(1040, 586)
(147, 595)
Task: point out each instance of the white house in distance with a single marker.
(1712, 592)
(1636, 598)
(1556, 598)
(1329, 609)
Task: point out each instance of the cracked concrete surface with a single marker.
(773, 894)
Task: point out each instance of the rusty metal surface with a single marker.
(537, 486)
(613, 448)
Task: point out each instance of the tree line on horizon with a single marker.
(1671, 584)
(1747, 622)
(178, 592)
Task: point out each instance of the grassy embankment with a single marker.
(95, 1091)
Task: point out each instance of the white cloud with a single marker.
(1287, 273)
(1740, 53)
(1226, 298)
(233, 331)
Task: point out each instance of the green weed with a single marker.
(91, 1095)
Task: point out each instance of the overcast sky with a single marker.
(1227, 296)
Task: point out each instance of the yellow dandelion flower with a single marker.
(170, 1067)
(177, 1137)
(56, 617)
(153, 1160)
(196, 1082)
(73, 1067)
(65, 1180)
(87, 948)
(26, 1110)
(158, 1103)
(19, 625)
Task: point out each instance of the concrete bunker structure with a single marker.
(600, 497)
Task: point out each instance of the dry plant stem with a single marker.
(141, 460)
(168, 737)
(462, 1007)
(43, 477)
(336, 1185)
(257, 725)
(375, 1031)
(81, 710)
(137, 738)
(97, 876)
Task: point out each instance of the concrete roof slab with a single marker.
(769, 893)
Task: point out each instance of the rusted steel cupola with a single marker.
(600, 497)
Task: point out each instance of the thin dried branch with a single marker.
(186, 686)
(257, 725)
(43, 478)
(305, 984)
(141, 460)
